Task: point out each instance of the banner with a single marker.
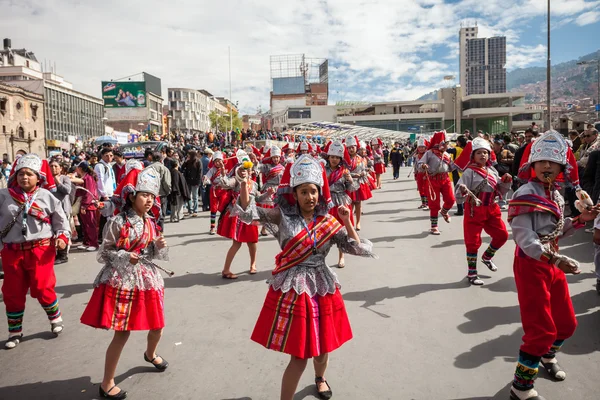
(124, 94)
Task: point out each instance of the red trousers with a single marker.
(421, 184)
(488, 219)
(442, 189)
(546, 310)
(25, 270)
(89, 226)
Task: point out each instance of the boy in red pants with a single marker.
(33, 225)
(436, 165)
(536, 217)
(420, 177)
(478, 188)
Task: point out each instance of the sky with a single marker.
(377, 49)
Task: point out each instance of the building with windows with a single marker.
(70, 117)
(21, 122)
(189, 110)
(482, 63)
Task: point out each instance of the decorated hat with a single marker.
(217, 156)
(472, 146)
(437, 139)
(376, 141)
(37, 165)
(352, 141)
(422, 142)
(148, 181)
(133, 164)
(362, 144)
(304, 170)
(305, 146)
(336, 149)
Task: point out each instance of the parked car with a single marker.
(137, 150)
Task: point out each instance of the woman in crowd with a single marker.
(357, 167)
(192, 171)
(63, 194)
(88, 217)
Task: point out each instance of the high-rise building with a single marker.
(189, 110)
(482, 63)
(70, 117)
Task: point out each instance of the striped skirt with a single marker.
(125, 310)
(300, 325)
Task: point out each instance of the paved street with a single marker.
(420, 331)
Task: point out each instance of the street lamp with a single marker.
(597, 62)
(548, 76)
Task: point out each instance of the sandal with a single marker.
(212, 232)
(326, 394)
(513, 396)
(253, 271)
(490, 264)
(230, 275)
(13, 341)
(106, 395)
(475, 281)
(161, 367)
(446, 217)
(435, 231)
(341, 265)
(553, 369)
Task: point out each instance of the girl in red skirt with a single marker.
(129, 291)
(218, 196)
(340, 184)
(420, 177)
(304, 313)
(377, 151)
(358, 170)
(230, 225)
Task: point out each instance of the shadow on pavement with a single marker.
(421, 235)
(447, 243)
(504, 393)
(76, 388)
(369, 203)
(407, 219)
(213, 279)
(582, 252)
(584, 341)
(307, 392)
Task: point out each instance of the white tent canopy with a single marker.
(332, 130)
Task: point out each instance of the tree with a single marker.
(222, 121)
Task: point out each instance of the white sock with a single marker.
(524, 395)
(559, 375)
(56, 320)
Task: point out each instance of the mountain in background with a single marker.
(570, 81)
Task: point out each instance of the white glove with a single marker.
(584, 201)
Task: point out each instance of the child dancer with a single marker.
(303, 314)
(436, 164)
(271, 171)
(478, 188)
(376, 146)
(357, 167)
(340, 184)
(218, 196)
(420, 176)
(129, 290)
(33, 225)
(537, 220)
(230, 226)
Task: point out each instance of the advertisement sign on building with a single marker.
(124, 94)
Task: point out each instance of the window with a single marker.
(35, 134)
(21, 132)
(3, 128)
(34, 109)
(3, 102)
(19, 106)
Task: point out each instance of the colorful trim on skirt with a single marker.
(125, 310)
(301, 325)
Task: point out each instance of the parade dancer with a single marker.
(305, 148)
(478, 188)
(33, 225)
(340, 184)
(271, 171)
(129, 290)
(303, 314)
(420, 175)
(231, 227)
(357, 167)
(537, 221)
(218, 196)
(379, 165)
(365, 152)
(436, 164)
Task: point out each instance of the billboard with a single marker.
(124, 94)
(291, 85)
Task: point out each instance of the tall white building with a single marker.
(189, 110)
(482, 63)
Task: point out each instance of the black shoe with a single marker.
(161, 367)
(459, 213)
(58, 261)
(1, 275)
(327, 394)
(597, 283)
(121, 395)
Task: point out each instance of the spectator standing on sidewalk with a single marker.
(192, 172)
(180, 193)
(107, 182)
(206, 157)
(119, 166)
(165, 185)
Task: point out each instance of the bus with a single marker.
(137, 150)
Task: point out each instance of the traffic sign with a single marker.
(597, 107)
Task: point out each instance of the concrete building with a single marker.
(21, 122)
(189, 110)
(71, 117)
(482, 63)
(143, 111)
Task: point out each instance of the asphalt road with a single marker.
(420, 331)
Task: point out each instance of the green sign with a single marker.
(124, 94)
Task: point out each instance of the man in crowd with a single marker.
(530, 134)
(575, 139)
(396, 157)
(165, 184)
(205, 160)
(106, 181)
(119, 166)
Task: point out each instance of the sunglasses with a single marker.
(586, 136)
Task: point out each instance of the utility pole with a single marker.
(231, 101)
(548, 77)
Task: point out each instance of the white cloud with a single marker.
(588, 18)
(380, 48)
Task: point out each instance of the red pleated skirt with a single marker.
(233, 228)
(302, 326)
(334, 211)
(125, 310)
(380, 168)
(362, 193)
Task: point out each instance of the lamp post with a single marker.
(597, 62)
(548, 77)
